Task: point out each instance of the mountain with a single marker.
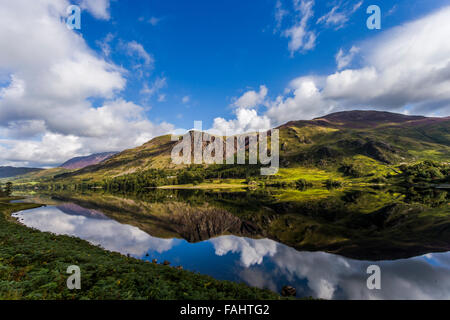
(349, 141)
(365, 119)
(82, 162)
(153, 154)
(386, 137)
(9, 172)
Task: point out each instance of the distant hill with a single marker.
(366, 119)
(360, 118)
(82, 162)
(9, 172)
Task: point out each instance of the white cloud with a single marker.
(408, 65)
(107, 233)
(356, 6)
(54, 148)
(280, 14)
(300, 37)
(252, 251)
(391, 11)
(156, 86)
(252, 99)
(247, 118)
(154, 21)
(53, 75)
(339, 15)
(186, 99)
(98, 8)
(304, 101)
(329, 276)
(105, 44)
(161, 98)
(136, 49)
(333, 17)
(343, 60)
(114, 126)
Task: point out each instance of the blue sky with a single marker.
(214, 51)
(139, 69)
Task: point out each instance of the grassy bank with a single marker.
(33, 265)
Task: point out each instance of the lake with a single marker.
(321, 242)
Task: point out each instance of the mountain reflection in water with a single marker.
(258, 262)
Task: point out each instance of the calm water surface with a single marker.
(262, 263)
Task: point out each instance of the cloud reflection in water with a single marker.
(107, 233)
(330, 276)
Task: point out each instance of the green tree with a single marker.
(8, 189)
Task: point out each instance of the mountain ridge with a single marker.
(85, 161)
(366, 119)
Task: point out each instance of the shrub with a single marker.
(302, 184)
(333, 183)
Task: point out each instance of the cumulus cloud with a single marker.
(247, 118)
(107, 233)
(54, 148)
(98, 8)
(116, 125)
(252, 99)
(52, 76)
(252, 251)
(267, 264)
(408, 65)
(331, 276)
(305, 101)
(344, 59)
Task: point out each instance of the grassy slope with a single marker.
(154, 154)
(411, 143)
(33, 265)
